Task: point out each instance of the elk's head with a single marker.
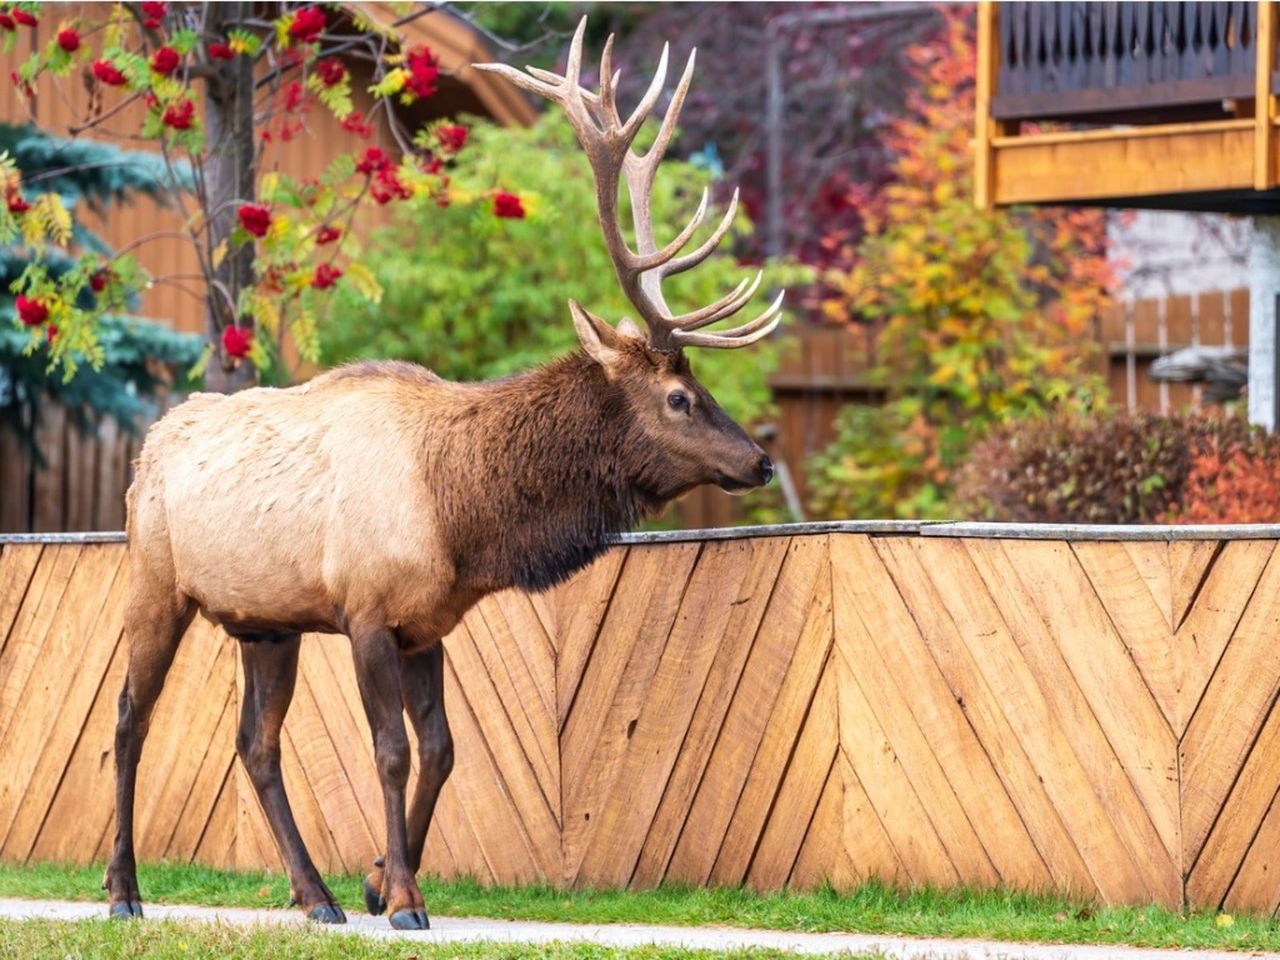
(690, 439)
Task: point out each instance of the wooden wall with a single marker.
(833, 702)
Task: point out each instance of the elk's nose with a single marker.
(766, 468)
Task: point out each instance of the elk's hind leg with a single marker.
(422, 693)
(378, 669)
(270, 671)
(155, 619)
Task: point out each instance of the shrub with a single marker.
(885, 462)
(1232, 480)
(1121, 468)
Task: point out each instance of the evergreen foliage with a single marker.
(140, 356)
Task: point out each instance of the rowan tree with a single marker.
(220, 83)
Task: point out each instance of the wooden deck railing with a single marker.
(1086, 60)
(1157, 105)
(1090, 710)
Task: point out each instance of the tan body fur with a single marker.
(323, 492)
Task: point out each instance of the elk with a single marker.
(381, 501)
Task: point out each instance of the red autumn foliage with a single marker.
(326, 276)
(179, 115)
(69, 39)
(255, 218)
(108, 73)
(1232, 480)
(507, 205)
(236, 341)
(165, 60)
(32, 312)
(308, 24)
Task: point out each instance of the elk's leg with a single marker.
(422, 693)
(155, 620)
(378, 669)
(270, 670)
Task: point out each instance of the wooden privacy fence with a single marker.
(1092, 712)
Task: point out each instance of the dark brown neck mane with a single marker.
(542, 470)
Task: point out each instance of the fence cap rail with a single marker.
(901, 528)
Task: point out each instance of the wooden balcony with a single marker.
(1151, 105)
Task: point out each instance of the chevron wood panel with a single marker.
(1092, 717)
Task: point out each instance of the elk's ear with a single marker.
(599, 339)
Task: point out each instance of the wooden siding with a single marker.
(1072, 714)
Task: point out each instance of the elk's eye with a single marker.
(678, 401)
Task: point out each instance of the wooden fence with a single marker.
(1093, 712)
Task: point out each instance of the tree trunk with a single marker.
(229, 173)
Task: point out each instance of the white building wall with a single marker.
(1157, 253)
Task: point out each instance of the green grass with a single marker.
(168, 940)
(872, 908)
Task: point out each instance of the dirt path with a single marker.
(461, 930)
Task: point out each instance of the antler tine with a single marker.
(707, 247)
(748, 333)
(524, 81)
(656, 152)
(726, 306)
(608, 85)
(658, 258)
(573, 69)
(646, 104)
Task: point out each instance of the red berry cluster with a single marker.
(424, 71)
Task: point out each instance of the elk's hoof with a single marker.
(327, 913)
(374, 901)
(410, 920)
(130, 910)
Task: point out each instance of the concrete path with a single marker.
(461, 930)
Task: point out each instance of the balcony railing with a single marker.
(1085, 60)
(1117, 102)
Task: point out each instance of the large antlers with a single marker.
(607, 142)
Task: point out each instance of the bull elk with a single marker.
(381, 501)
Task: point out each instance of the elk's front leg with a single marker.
(270, 671)
(378, 669)
(422, 693)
